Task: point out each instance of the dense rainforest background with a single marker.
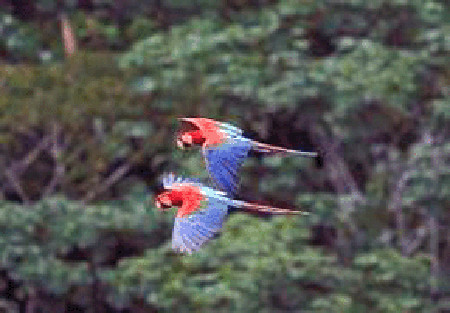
(89, 95)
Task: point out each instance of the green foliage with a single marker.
(140, 28)
(18, 39)
(87, 87)
(88, 101)
(267, 266)
(36, 239)
(372, 71)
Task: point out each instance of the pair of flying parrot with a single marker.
(202, 209)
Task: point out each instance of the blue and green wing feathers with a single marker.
(224, 161)
(192, 231)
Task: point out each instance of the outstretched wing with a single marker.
(225, 150)
(224, 161)
(170, 181)
(190, 232)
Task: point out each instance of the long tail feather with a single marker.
(266, 209)
(262, 147)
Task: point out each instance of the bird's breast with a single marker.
(211, 132)
(192, 200)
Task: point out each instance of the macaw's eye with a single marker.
(184, 141)
(163, 205)
(183, 145)
(163, 202)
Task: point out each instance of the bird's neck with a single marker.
(176, 197)
(190, 198)
(197, 137)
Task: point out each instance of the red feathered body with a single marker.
(189, 197)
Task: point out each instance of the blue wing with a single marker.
(192, 231)
(224, 161)
(169, 180)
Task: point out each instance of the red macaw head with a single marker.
(168, 199)
(163, 201)
(190, 134)
(187, 139)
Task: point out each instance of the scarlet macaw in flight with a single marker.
(224, 148)
(201, 212)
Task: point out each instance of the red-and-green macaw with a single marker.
(224, 148)
(201, 211)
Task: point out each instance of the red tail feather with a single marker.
(262, 147)
(268, 209)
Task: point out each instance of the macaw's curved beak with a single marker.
(163, 203)
(184, 141)
(180, 144)
(162, 207)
